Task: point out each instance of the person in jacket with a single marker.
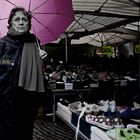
(21, 78)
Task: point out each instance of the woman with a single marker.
(21, 78)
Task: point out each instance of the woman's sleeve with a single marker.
(2, 48)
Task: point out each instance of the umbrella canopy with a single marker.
(49, 17)
(105, 38)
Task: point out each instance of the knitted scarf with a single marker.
(31, 74)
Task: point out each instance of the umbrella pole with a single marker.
(66, 48)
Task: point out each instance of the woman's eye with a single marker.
(17, 19)
(24, 19)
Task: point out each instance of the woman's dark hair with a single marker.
(16, 9)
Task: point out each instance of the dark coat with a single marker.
(10, 58)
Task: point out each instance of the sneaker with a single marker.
(75, 107)
(117, 134)
(112, 106)
(100, 121)
(104, 105)
(132, 133)
(124, 134)
(95, 109)
(134, 126)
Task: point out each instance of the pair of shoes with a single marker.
(124, 134)
(77, 107)
(129, 113)
(107, 105)
(104, 122)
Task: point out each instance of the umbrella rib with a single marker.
(29, 5)
(40, 5)
(3, 18)
(77, 21)
(46, 13)
(61, 14)
(45, 27)
(106, 39)
(94, 39)
(10, 2)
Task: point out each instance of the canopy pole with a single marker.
(66, 48)
(139, 43)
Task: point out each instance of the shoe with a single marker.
(136, 105)
(134, 126)
(117, 134)
(132, 133)
(88, 108)
(75, 107)
(95, 109)
(129, 113)
(129, 78)
(124, 134)
(104, 105)
(100, 121)
(112, 106)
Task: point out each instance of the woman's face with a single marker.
(20, 22)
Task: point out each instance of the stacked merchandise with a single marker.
(106, 120)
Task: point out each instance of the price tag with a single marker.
(94, 85)
(123, 83)
(68, 86)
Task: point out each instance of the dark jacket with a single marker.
(10, 58)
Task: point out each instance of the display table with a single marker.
(64, 92)
(86, 131)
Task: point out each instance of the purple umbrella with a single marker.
(50, 17)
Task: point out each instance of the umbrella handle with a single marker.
(43, 54)
(38, 45)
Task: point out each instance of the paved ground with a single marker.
(45, 129)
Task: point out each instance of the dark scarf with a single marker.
(31, 75)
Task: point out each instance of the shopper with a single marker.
(21, 78)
